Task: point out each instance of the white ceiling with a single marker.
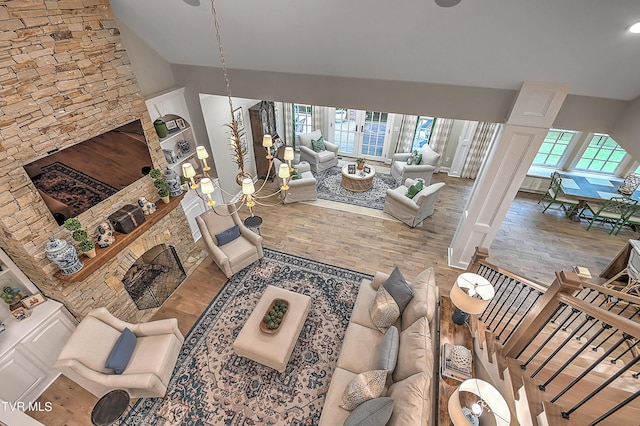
(485, 43)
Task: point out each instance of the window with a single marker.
(553, 147)
(423, 132)
(602, 155)
(302, 118)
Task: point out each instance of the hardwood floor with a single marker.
(529, 242)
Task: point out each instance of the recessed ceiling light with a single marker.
(447, 3)
(635, 28)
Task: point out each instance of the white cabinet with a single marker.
(170, 106)
(29, 348)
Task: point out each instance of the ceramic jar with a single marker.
(161, 128)
(173, 182)
(64, 256)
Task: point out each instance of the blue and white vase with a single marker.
(173, 182)
(64, 256)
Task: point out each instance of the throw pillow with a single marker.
(411, 401)
(318, 145)
(424, 300)
(384, 311)
(229, 235)
(363, 387)
(416, 351)
(375, 412)
(388, 351)
(398, 288)
(414, 189)
(120, 355)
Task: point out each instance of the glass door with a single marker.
(361, 133)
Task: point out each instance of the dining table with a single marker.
(596, 189)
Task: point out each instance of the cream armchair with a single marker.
(318, 161)
(149, 369)
(303, 189)
(236, 254)
(412, 211)
(401, 171)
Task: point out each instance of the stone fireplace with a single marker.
(65, 78)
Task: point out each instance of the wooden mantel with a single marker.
(103, 255)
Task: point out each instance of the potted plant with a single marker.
(360, 163)
(81, 236)
(160, 184)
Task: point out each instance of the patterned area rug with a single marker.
(329, 188)
(211, 385)
(73, 188)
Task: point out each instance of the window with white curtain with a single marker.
(553, 147)
(602, 155)
(423, 132)
(302, 118)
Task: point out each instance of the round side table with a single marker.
(253, 222)
(110, 407)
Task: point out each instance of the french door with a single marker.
(362, 133)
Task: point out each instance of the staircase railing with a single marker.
(576, 340)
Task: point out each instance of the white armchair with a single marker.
(318, 161)
(149, 369)
(412, 211)
(401, 171)
(236, 254)
(303, 189)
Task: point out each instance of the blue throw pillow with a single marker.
(229, 235)
(121, 353)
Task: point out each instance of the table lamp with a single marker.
(489, 400)
(471, 294)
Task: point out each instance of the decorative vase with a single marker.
(184, 146)
(161, 128)
(63, 255)
(360, 166)
(91, 253)
(173, 182)
(165, 199)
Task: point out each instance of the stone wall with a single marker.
(65, 77)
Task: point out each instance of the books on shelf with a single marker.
(456, 362)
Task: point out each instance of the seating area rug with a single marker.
(329, 187)
(72, 187)
(211, 385)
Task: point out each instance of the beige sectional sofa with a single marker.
(412, 386)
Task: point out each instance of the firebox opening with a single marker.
(154, 276)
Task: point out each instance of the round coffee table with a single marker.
(359, 181)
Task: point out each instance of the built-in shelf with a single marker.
(174, 134)
(103, 255)
(182, 160)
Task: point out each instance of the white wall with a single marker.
(215, 110)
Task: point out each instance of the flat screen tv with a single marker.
(72, 180)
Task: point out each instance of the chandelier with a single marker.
(203, 182)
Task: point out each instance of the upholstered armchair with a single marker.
(302, 189)
(401, 170)
(149, 369)
(231, 248)
(318, 161)
(412, 211)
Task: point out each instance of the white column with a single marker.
(506, 166)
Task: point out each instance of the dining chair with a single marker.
(615, 211)
(554, 195)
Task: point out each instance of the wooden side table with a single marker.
(455, 335)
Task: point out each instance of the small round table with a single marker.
(360, 180)
(110, 407)
(253, 222)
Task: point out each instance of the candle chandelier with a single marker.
(203, 182)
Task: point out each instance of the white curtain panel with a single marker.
(440, 134)
(289, 133)
(407, 133)
(480, 144)
(318, 114)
